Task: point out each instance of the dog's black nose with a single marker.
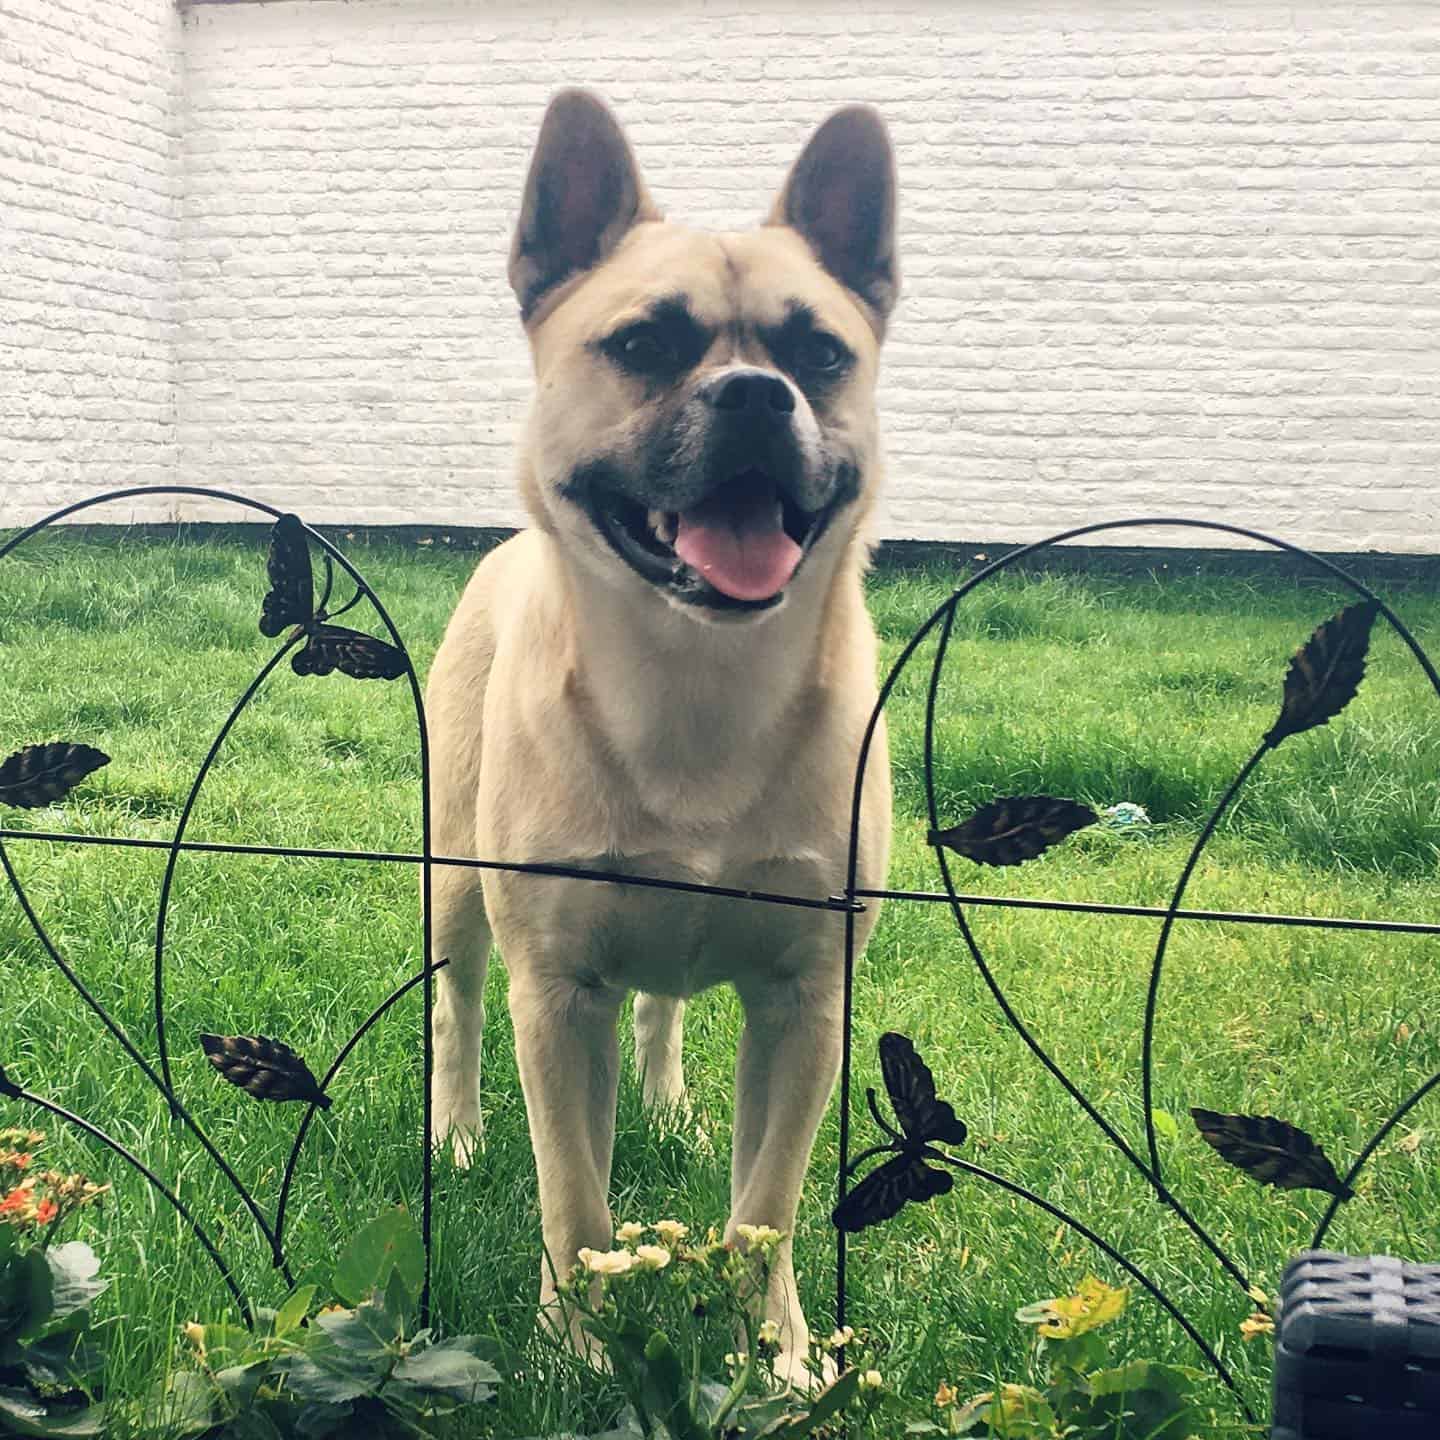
(751, 391)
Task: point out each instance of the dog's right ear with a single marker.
(582, 194)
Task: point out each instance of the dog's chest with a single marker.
(664, 941)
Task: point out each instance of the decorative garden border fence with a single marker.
(1323, 677)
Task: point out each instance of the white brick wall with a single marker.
(89, 232)
(1175, 257)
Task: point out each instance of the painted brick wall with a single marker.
(89, 233)
(1162, 257)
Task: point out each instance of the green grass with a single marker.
(1150, 691)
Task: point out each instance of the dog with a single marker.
(670, 673)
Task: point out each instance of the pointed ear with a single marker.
(841, 197)
(581, 196)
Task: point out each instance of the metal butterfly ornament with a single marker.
(925, 1121)
(291, 601)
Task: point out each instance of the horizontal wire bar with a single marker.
(386, 857)
(1158, 912)
(834, 902)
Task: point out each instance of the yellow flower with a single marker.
(606, 1262)
(1257, 1324)
(871, 1380)
(629, 1233)
(735, 1361)
(769, 1333)
(759, 1237)
(671, 1232)
(1093, 1304)
(839, 1339)
(946, 1395)
(652, 1257)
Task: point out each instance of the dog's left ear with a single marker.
(841, 197)
(583, 193)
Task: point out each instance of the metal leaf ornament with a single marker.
(1326, 671)
(265, 1068)
(41, 774)
(362, 657)
(1271, 1151)
(1014, 830)
(924, 1120)
(290, 601)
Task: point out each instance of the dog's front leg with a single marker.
(788, 1060)
(568, 1053)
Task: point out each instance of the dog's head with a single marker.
(704, 424)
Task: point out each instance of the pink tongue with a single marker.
(737, 543)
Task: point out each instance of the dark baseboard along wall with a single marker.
(957, 555)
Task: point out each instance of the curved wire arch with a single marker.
(943, 617)
(335, 555)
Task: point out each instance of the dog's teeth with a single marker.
(662, 525)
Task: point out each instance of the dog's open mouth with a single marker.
(738, 549)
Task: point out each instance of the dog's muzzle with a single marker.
(741, 543)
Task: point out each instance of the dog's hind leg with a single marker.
(461, 935)
(460, 932)
(659, 1031)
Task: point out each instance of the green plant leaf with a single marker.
(369, 1333)
(1144, 1400)
(323, 1421)
(826, 1405)
(73, 1268)
(1072, 1359)
(68, 1356)
(255, 1424)
(1165, 1124)
(225, 1344)
(294, 1310)
(451, 1369)
(22, 1413)
(1018, 1412)
(329, 1378)
(666, 1388)
(399, 1300)
(183, 1406)
(389, 1242)
(26, 1301)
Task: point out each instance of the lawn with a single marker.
(1150, 690)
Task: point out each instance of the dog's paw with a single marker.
(796, 1371)
(670, 1111)
(464, 1138)
(562, 1325)
(465, 1147)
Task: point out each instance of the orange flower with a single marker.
(17, 1201)
(46, 1211)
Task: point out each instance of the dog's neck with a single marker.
(694, 702)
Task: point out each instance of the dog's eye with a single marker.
(822, 353)
(643, 347)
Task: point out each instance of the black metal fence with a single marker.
(917, 1165)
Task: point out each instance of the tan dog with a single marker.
(671, 672)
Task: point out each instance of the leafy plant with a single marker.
(1080, 1395)
(51, 1359)
(356, 1370)
(649, 1310)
